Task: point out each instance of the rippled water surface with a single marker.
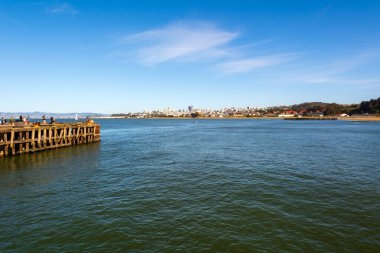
(210, 186)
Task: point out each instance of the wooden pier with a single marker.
(20, 140)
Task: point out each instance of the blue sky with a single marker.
(121, 56)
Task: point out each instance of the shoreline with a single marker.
(369, 118)
(364, 118)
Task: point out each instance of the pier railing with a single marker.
(20, 140)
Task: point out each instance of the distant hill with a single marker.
(326, 108)
(312, 106)
(371, 107)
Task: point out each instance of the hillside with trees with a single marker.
(326, 108)
(370, 107)
(365, 107)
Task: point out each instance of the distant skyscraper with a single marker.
(190, 108)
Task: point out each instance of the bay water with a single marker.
(199, 186)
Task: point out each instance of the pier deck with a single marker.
(20, 140)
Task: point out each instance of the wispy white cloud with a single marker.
(181, 41)
(251, 64)
(339, 72)
(201, 42)
(62, 8)
(220, 49)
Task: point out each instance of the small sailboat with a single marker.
(76, 116)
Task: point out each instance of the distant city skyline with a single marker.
(129, 56)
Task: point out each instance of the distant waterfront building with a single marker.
(190, 108)
(288, 113)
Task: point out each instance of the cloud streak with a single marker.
(252, 64)
(339, 72)
(219, 49)
(201, 42)
(181, 41)
(62, 8)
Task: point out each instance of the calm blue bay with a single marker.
(199, 186)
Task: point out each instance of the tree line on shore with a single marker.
(365, 107)
(371, 106)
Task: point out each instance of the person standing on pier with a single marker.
(89, 121)
(44, 119)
